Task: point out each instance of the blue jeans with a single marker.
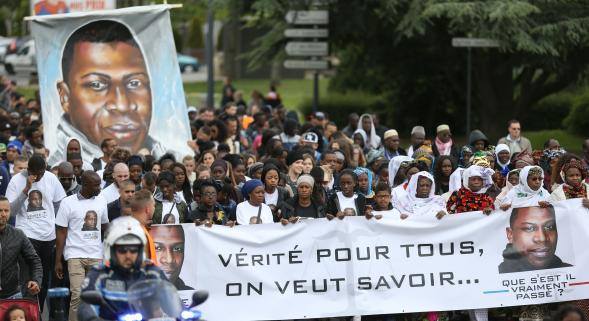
(17, 295)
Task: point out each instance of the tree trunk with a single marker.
(493, 93)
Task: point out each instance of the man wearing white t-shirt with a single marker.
(37, 220)
(120, 173)
(79, 223)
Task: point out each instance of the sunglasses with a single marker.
(133, 249)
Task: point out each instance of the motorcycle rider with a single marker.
(125, 263)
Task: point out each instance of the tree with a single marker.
(402, 50)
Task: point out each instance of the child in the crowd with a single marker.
(365, 184)
(15, 313)
(382, 198)
(346, 202)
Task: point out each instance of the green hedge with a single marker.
(577, 121)
(548, 113)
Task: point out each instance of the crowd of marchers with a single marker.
(255, 162)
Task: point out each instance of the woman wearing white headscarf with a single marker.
(502, 158)
(364, 136)
(399, 192)
(373, 140)
(529, 191)
(421, 199)
(394, 165)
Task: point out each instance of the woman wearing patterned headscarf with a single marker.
(365, 183)
(529, 191)
(471, 196)
(573, 175)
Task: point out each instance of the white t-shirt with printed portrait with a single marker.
(36, 216)
(245, 211)
(170, 208)
(83, 219)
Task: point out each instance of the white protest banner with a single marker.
(110, 74)
(319, 268)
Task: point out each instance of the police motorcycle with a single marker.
(152, 300)
(148, 295)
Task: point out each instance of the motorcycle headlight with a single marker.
(131, 317)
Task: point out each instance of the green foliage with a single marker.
(402, 50)
(178, 39)
(549, 113)
(578, 120)
(570, 142)
(195, 34)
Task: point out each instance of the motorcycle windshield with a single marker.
(155, 300)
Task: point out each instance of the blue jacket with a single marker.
(113, 283)
(4, 179)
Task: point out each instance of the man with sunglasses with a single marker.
(81, 246)
(125, 263)
(65, 173)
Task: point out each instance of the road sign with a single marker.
(306, 33)
(306, 64)
(474, 42)
(314, 17)
(297, 48)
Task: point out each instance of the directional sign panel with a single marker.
(314, 17)
(297, 48)
(474, 42)
(306, 33)
(306, 64)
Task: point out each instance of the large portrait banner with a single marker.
(110, 74)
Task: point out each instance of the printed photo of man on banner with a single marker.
(102, 75)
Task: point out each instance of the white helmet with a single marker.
(124, 230)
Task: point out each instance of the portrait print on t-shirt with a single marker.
(349, 211)
(169, 219)
(35, 209)
(90, 221)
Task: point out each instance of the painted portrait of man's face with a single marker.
(169, 248)
(105, 91)
(534, 235)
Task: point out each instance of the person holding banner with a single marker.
(529, 191)
(302, 205)
(347, 202)
(399, 192)
(253, 210)
(471, 196)
(208, 210)
(420, 199)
